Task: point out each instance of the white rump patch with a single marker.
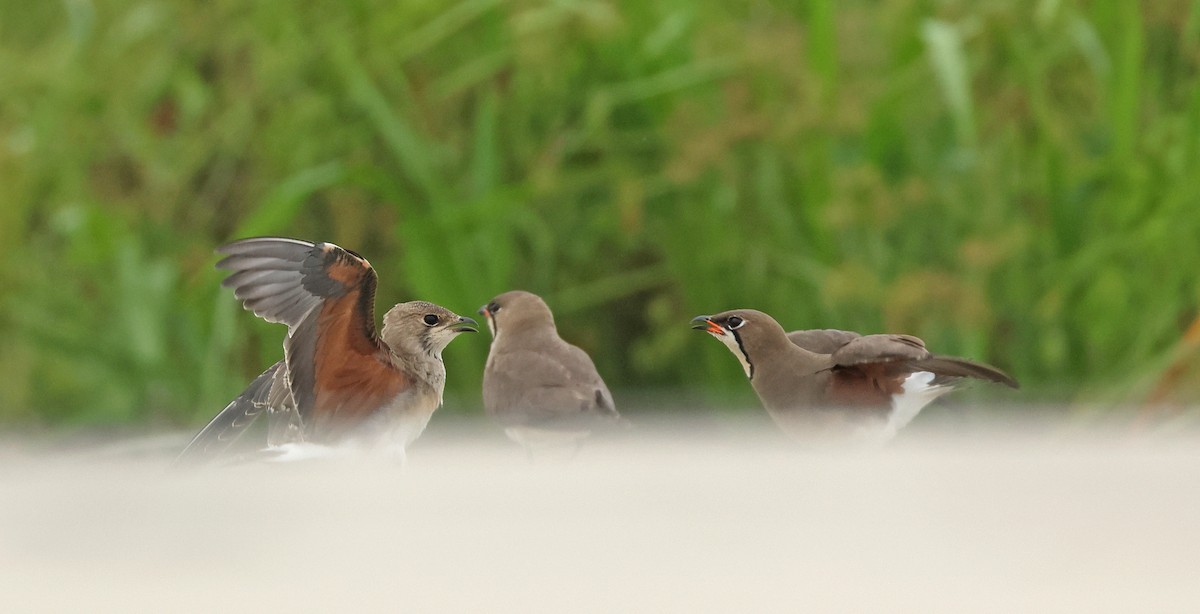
(917, 393)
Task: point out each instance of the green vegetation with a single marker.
(1012, 181)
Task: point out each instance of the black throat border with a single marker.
(742, 349)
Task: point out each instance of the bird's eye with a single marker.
(431, 320)
(493, 307)
(735, 322)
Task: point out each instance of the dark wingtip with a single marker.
(997, 376)
(961, 367)
(1010, 381)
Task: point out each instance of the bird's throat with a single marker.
(734, 342)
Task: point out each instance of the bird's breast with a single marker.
(352, 393)
(402, 420)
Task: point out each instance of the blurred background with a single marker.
(1013, 181)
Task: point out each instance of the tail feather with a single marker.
(950, 366)
(233, 421)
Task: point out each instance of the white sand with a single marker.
(728, 521)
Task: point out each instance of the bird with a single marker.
(544, 392)
(341, 382)
(839, 384)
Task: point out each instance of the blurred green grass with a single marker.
(1013, 181)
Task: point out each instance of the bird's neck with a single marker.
(424, 367)
(789, 376)
(524, 337)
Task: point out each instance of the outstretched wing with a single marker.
(326, 296)
(268, 277)
(267, 391)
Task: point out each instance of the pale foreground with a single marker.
(727, 521)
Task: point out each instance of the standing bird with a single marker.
(815, 382)
(544, 391)
(340, 381)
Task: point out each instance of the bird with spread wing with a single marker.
(341, 381)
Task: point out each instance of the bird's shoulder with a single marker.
(548, 364)
(880, 348)
(822, 341)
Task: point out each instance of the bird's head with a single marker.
(517, 311)
(748, 333)
(418, 327)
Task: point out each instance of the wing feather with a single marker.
(261, 290)
(880, 348)
(233, 421)
(822, 341)
(954, 367)
(266, 267)
(558, 389)
(907, 354)
(294, 282)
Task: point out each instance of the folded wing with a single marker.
(823, 341)
(559, 390)
(909, 354)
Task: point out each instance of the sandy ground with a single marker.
(723, 520)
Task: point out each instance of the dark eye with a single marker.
(431, 320)
(493, 307)
(735, 322)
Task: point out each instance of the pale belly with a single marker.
(385, 434)
(399, 424)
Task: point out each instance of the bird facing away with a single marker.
(341, 381)
(544, 391)
(834, 382)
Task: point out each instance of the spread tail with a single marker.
(214, 439)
